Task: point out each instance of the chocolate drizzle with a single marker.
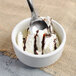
(55, 47)
(49, 29)
(27, 29)
(43, 40)
(24, 42)
(44, 36)
(35, 46)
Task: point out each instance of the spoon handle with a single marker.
(33, 13)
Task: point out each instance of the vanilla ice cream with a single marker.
(38, 42)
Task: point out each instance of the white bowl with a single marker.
(38, 60)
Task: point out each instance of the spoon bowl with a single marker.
(39, 24)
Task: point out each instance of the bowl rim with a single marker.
(39, 56)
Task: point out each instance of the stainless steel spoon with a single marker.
(35, 20)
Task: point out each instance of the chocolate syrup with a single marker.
(43, 40)
(35, 46)
(27, 29)
(49, 29)
(24, 42)
(55, 47)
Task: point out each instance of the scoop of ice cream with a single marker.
(39, 42)
(20, 40)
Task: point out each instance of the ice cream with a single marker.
(38, 42)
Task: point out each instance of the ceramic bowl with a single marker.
(38, 60)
